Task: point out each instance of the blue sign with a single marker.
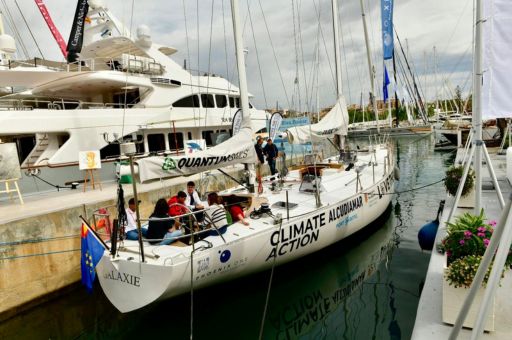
(291, 122)
(387, 28)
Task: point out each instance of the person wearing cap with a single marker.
(131, 225)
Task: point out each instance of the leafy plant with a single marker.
(462, 271)
(453, 177)
(466, 242)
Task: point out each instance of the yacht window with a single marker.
(139, 145)
(156, 142)
(237, 102)
(231, 102)
(110, 151)
(175, 141)
(207, 136)
(190, 101)
(207, 100)
(189, 135)
(262, 130)
(221, 100)
(250, 106)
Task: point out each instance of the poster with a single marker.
(194, 145)
(89, 160)
(9, 162)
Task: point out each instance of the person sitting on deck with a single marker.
(193, 202)
(131, 219)
(215, 216)
(160, 227)
(177, 207)
(236, 210)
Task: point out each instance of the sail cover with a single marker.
(236, 150)
(335, 122)
(497, 49)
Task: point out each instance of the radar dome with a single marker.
(7, 44)
(95, 4)
(144, 36)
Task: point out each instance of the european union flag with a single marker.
(385, 85)
(92, 251)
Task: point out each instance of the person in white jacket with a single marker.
(193, 202)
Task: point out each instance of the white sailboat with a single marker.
(313, 206)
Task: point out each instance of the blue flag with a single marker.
(92, 251)
(387, 28)
(385, 85)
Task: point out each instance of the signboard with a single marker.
(9, 162)
(291, 122)
(194, 145)
(275, 124)
(89, 160)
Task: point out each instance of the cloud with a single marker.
(423, 24)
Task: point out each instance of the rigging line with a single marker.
(28, 27)
(16, 31)
(372, 41)
(257, 58)
(358, 65)
(274, 53)
(317, 11)
(301, 44)
(40, 254)
(269, 286)
(345, 57)
(188, 57)
(126, 77)
(409, 190)
(209, 64)
(226, 108)
(296, 85)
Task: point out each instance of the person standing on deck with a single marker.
(271, 152)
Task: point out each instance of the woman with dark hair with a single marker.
(215, 216)
(160, 226)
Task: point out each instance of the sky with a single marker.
(290, 58)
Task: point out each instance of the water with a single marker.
(365, 287)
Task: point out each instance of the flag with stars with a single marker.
(92, 251)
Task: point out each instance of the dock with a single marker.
(429, 323)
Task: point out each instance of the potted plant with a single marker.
(451, 183)
(464, 247)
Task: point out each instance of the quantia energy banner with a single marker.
(76, 37)
(387, 28)
(236, 150)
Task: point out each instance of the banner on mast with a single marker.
(51, 25)
(496, 50)
(387, 28)
(237, 122)
(76, 37)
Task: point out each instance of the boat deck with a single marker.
(429, 324)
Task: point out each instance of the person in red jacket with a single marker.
(177, 204)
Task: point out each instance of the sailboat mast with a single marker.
(477, 104)
(370, 67)
(435, 81)
(337, 63)
(240, 59)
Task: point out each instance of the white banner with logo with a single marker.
(238, 149)
(275, 124)
(497, 49)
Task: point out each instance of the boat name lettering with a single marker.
(123, 277)
(346, 221)
(345, 208)
(328, 132)
(227, 120)
(295, 236)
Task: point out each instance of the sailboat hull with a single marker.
(130, 285)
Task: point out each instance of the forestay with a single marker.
(497, 48)
(335, 122)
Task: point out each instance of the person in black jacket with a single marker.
(164, 230)
(259, 150)
(271, 152)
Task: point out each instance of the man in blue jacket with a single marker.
(271, 152)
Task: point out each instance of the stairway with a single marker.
(32, 159)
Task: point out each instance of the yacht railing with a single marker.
(62, 104)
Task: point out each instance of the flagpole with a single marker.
(94, 232)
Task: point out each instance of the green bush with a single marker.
(453, 177)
